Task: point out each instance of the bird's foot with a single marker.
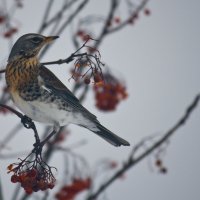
(27, 122)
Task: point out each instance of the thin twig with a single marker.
(126, 22)
(2, 70)
(46, 14)
(113, 7)
(66, 23)
(57, 16)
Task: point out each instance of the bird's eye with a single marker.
(37, 40)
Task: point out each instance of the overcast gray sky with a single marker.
(159, 60)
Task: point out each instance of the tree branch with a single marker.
(133, 161)
(66, 23)
(123, 24)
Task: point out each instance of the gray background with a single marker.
(159, 60)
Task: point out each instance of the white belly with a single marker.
(43, 112)
(49, 113)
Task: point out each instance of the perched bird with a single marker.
(40, 95)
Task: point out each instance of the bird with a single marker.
(41, 96)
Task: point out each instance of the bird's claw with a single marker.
(27, 122)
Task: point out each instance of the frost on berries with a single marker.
(32, 175)
(109, 94)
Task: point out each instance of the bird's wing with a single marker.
(52, 83)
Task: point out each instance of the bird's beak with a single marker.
(50, 39)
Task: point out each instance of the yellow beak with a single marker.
(50, 39)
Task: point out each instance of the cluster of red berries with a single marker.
(135, 16)
(83, 35)
(97, 77)
(116, 20)
(60, 137)
(159, 165)
(10, 32)
(80, 71)
(68, 192)
(110, 93)
(33, 180)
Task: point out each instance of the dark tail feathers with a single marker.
(109, 136)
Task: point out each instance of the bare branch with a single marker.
(66, 23)
(133, 161)
(46, 14)
(126, 22)
(57, 16)
(114, 5)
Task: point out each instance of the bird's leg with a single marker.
(39, 145)
(28, 123)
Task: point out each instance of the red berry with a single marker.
(32, 173)
(35, 188)
(14, 178)
(97, 78)
(158, 163)
(117, 20)
(7, 34)
(51, 185)
(13, 30)
(28, 190)
(2, 19)
(147, 12)
(131, 20)
(87, 80)
(80, 33)
(86, 37)
(113, 164)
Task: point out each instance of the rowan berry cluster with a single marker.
(88, 68)
(32, 176)
(110, 93)
(7, 20)
(83, 35)
(8, 31)
(68, 192)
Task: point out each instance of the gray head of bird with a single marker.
(29, 45)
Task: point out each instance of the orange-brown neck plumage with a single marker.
(20, 72)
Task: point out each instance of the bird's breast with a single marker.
(20, 72)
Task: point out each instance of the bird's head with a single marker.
(29, 45)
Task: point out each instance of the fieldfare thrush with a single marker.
(40, 95)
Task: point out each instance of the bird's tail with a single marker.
(109, 136)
